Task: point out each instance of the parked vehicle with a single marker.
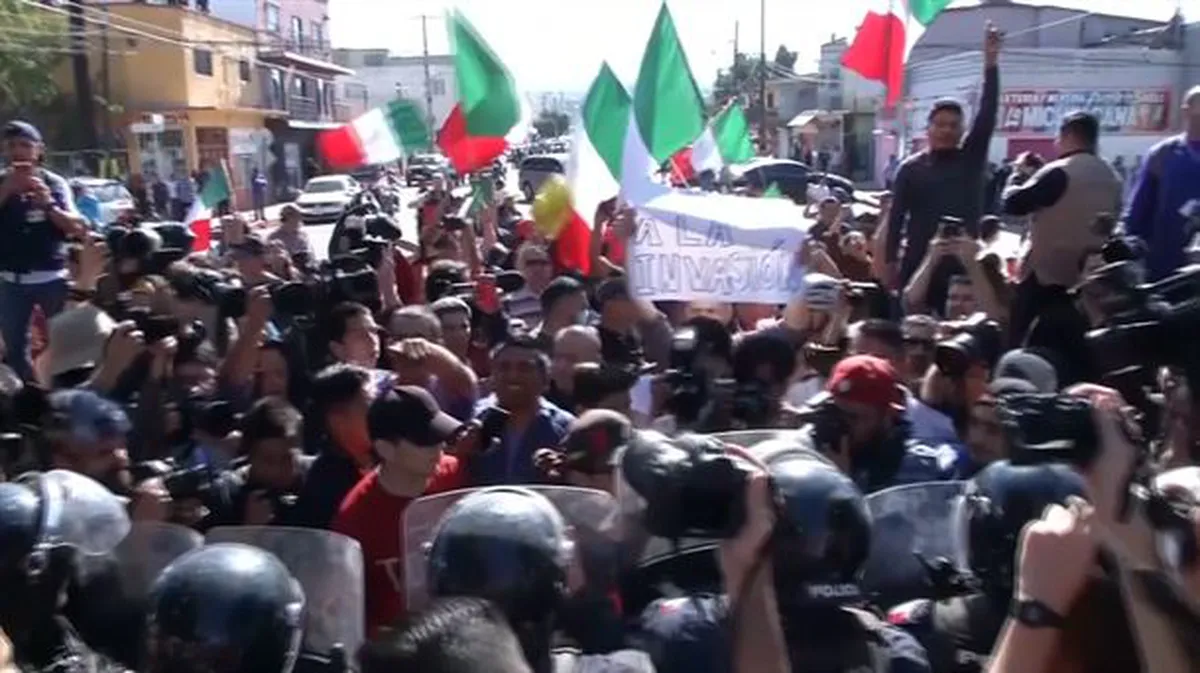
(114, 198)
(324, 198)
(538, 168)
(791, 177)
(423, 167)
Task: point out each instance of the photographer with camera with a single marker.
(38, 216)
(953, 278)
(963, 365)
(860, 425)
(1097, 582)
(959, 631)
(794, 532)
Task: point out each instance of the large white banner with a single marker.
(717, 247)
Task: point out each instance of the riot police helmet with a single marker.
(823, 534)
(997, 504)
(509, 545)
(224, 607)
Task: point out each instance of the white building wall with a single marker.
(406, 76)
(1150, 78)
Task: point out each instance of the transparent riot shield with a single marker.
(328, 566)
(912, 527)
(147, 550)
(592, 515)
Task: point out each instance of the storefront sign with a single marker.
(1039, 112)
(243, 141)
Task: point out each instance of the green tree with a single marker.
(785, 59)
(551, 124)
(30, 52)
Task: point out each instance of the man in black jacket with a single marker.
(947, 177)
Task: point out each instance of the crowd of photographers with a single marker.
(1040, 412)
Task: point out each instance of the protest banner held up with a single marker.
(718, 247)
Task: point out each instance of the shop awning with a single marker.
(292, 59)
(802, 119)
(312, 126)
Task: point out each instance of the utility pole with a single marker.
(83, 79)
(762, 70)
(428, 87)
(105, 89)
(736, 25)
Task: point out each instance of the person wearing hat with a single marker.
(250, 257)
(411, 435)
(37, 215)
(589, 452)
(875, 447)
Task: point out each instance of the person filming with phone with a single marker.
(37, 216)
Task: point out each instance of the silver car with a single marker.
(538, 168)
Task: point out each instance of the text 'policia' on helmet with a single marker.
(823, 533)
(508, 545)
(997, 504)
(231, 608)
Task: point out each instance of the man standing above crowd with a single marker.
(1063, 197)
(37, 215)
(946, 178)
(1167, 194)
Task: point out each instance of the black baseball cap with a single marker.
(410, 413)
(22, 130)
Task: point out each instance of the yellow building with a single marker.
(195, 90)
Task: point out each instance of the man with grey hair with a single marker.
(1166, 194)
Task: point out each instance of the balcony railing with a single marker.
(307, 46)
(304, 108)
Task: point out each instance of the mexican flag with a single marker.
(594, 168)
(668, 108)
(885, 38)
(200, 216)
(725, 141)
(379, 136)
(488, 108)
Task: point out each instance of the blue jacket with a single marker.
(511, 462)
(1169, 179)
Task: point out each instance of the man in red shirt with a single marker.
(408, 433)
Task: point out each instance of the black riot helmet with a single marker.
(508, 545)
(20, 521)
(823, 535)
(997, 504)
(225, 607)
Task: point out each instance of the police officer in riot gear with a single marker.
(225, 607)
(821, 539)
(959, 632)
(513, 547)
(44, 528)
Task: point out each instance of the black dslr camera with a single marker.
(1048, 428)
(979, 340)
(689, 389)
(692, 488)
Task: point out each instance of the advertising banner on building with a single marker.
(1037, 112)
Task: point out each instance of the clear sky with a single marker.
(551, 48)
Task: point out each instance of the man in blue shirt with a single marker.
(520, 376)
(37, 216)
(1166, 194)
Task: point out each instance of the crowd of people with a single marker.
(484, 459)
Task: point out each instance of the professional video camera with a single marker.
(702, 403)
(1142, 326)
(828, 422)
(691, 486)
(331, 285)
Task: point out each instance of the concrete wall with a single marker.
(383, 75)
(1066, 70)
(962, 28)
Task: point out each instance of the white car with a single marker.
(324, 198)
(113, 197)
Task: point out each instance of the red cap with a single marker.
(866, 380)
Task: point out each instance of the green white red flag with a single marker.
(200, 215)
(475, 132)
(884, 39)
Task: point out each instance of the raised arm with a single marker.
(984, 124)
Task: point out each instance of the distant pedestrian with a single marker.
(258, 193)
